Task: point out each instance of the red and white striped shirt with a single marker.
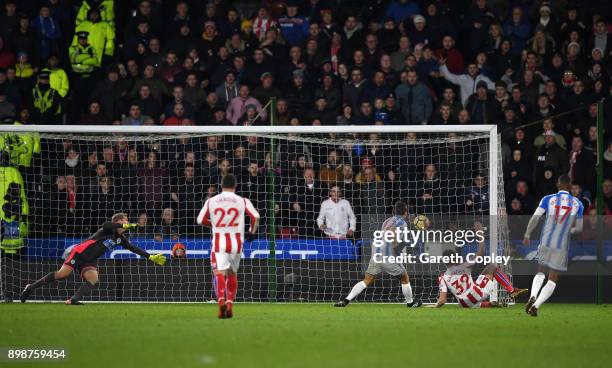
(225, 212)
(261, 26)
(458, 281)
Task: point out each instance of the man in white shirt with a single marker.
(336, 218)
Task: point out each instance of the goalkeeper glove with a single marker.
(249, 236)
(130, 226)
(158, 259)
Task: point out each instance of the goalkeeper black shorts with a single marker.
(80, 263)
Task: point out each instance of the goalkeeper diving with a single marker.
(83, 257)
(398, 221)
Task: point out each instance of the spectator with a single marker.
(266, 90)
(549, 126)
(227, 90)
(49, 32)
(298, 94)
(354, 90)
(147, 104)
(179, 251)
(135, 116)
(399, 56)
(157, 86)
(413, 100)
(321, 114)
(331, 172)
(466, 82)
(151, 184)
(111, 93)
(336, 218)
(608, 161)
(303, 200)
(7, 58)
(552, 158)
(178, 97)
(9, 21)
(517, 28)
(7, 109)
(144, 229)
(577, 192)
(582, 165)
(519, 168)
(400, 10)
(94, 115)
(187, 197)
(25, 39)
(255, 69)
(482, 108)
(294, 27)
(523, 194)
(168, 228)
(477, 196)
(178, 116)
(237, 106)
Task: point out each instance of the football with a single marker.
(421, 222)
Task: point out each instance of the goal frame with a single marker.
(490, 129)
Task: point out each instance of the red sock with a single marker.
(503, 280)
(232, 287)
(220, 279)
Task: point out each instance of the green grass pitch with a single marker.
(313, 335)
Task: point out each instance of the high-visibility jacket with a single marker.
(101, 38)
(106, 8)
(83, 58)
(20, 147)
(46, 101)
(23, 71)
(14, 211)
(58, 80)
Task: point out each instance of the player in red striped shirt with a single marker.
(457, 280)
(225, 213)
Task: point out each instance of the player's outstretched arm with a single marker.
(441, 301)
(533, 223)
(158, 258)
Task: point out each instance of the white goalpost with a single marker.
(161, 177)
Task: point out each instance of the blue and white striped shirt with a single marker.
(562, 210)
(391, 224)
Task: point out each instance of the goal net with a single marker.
(312, 246)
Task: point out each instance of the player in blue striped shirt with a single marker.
(388, 249)
(563, 218)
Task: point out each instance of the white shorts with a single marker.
(555, 259)
(222, 261)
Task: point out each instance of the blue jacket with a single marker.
(294, 29)
(415, 109)
(400, 12)
(518, 34)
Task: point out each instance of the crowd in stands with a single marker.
(536, 69)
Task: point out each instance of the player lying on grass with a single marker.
(84, 256)
(563, 218)
(225, 213)
(457, 280)
(398, 221)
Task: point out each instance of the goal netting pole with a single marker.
(161, 176)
